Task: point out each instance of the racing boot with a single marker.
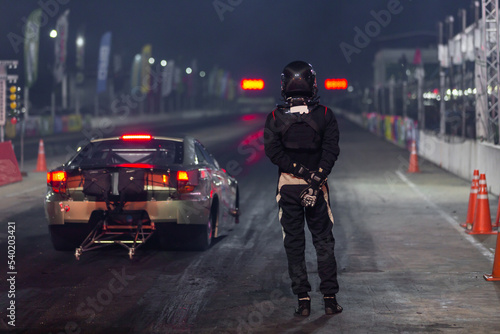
(331, 305)
(304, 308)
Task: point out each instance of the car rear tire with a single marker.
(203, 234)
(168, 236)
(69, 236)
(65, 238)
(237, 207)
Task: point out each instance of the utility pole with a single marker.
(463, 41)
(405, 93)
(392, 83)
(450, 20)
(481, 80)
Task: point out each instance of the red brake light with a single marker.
(136, 165)
(252, 84)
(187, 181)
(136, 137)
(58, 176)
(336, 83)
(57, 180)
(182, 176)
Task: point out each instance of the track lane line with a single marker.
(456, 225)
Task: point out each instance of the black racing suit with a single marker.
(310, 139)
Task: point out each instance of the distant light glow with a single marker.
(163, 63)
(151, 60)
(53, 33)
(202, 74)
(80, 41)
(336, 84)
(189, 70)
(252, 84)
(249, 117)
(434, 95)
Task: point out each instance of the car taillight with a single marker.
(161, 180)
(57, 180)
(187, 181)
(182, 176)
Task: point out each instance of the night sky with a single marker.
(249, 38)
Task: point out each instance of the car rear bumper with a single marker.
(170, 211)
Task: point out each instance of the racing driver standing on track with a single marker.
(301, 138)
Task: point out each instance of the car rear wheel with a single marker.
(66, 238)
(69, 236)
(203, 234)
(236, 211)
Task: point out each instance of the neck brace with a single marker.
(299, 109)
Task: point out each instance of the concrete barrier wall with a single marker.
(488, 157)
(462, 157)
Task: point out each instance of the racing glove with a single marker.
(309, 196)
(316, 179)
(300, 170)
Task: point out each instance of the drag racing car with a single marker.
(125, 190)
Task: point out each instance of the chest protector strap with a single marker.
(307, 134)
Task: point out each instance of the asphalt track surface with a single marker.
(405, 265)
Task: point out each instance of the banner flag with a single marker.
(168, 78)
(145, 68)
(102, 67)
(135, 72)
(31, 42)
(61, 46)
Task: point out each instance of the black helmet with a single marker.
(298, 79)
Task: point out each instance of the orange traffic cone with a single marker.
(497, 221)
(413, 167)
(482, 217)
(472, 201)
(41, 164)
(495, 276)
